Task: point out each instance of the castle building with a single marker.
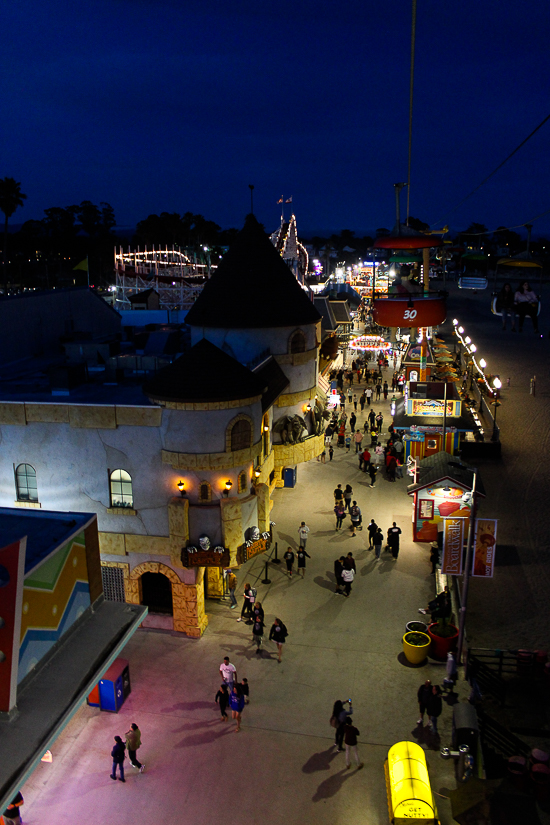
(189, 457)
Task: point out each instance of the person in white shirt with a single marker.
(228, 672)
(303, 530)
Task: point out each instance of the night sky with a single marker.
(177, 106)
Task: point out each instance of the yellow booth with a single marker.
(410, 797)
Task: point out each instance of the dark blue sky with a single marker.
(178, 106)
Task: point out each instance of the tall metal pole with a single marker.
(467, 570)
(444, 415)
(413, 39)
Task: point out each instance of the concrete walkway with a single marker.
(282, 766)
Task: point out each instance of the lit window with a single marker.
(25, 483)
(241, 435)
(121, 489)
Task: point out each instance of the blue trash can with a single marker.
(290, 476)
(115, 686)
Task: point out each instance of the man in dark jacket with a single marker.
(338, 567)
(424, 693)
(434, 707)
(393, 540)
(350, 738)
(118, 754)
(372, 528)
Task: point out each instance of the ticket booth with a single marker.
(410, 797)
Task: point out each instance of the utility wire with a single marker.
(506, 228)
(523, 142)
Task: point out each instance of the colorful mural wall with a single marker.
(55, 594)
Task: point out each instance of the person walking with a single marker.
(289, 558)
(302, 556)
(358, 437)
(330, 452)
(371, 418)
(372, 474)
(434, 707)
(303, 530)
(278, 634)
(338, 567)
(231, 586)
(258, 634)
(385, 390)
(368, 393)
(355, 513)
(378, 542)
(423, 694)
(338, 721)
(350, 738)
(133, 743)
(355, 401)
(11, 815)
(379, 421)
(236, 703)
(257, 611)
(363, 401)
(118, 756)
(249, 597)
(338, 494)
(372, 528)
(378, 389)
(352, 420)
(228, 672)
(222, 699)
(342, 401)
(340, 513)
(393, 540)
(348, 576)
(348, 493)
(349, 562)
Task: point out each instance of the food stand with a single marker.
(410, 797)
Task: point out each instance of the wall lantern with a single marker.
(228, 486)
(181, 487)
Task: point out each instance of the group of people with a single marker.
(523, 302)
(118, 753)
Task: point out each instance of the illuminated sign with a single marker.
(432, 407)
(485, 546)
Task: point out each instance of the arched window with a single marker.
(121, 489)
(297, 342)
(25, 483)
(241, 482)
(241, 435)
(205, 492)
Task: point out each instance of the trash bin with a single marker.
(465, 727)
(289, 476)
(115, 686)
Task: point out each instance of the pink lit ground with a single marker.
(282, 767)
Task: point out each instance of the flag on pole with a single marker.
(83, 265)
(280, 200)
(289, 200)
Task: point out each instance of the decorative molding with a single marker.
(211, 461)
(203, 406)
(121, 511)
(292, 398)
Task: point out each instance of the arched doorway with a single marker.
(156, 593)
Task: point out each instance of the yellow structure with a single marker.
(410, 797)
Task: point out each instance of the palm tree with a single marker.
(10, 198)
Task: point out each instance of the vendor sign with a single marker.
(453, 543)
(485, 546)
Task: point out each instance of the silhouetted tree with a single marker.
(11, 198)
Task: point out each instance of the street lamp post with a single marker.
(497, 384)
(468, 565)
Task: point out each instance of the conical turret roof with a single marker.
(204, 374)
(252, 288)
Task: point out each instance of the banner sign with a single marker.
(213, 557)
(432, 407)
(485, 546)
(453, 544)
(248, 550)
